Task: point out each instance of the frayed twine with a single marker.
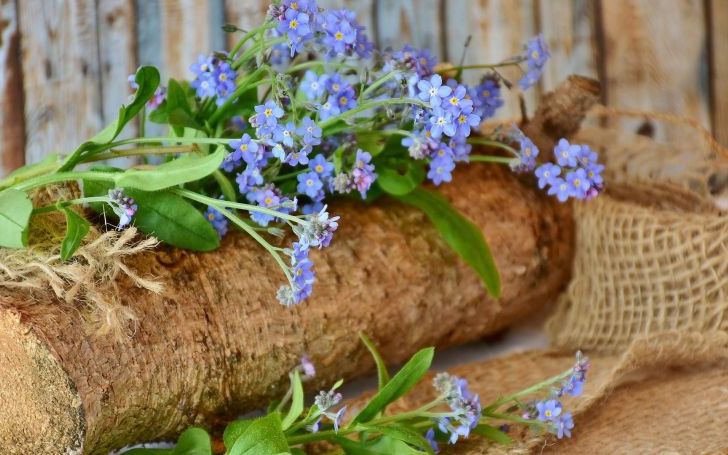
(89, 278)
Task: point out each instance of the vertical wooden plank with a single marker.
(246, 15)
(568, 27)
(61, 74)
(186, 31)
(117, 50)
(719, 70)
(416, 22)
(12, 121)
(499, 29)
(656, 59)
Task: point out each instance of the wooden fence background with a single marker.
(64, 63)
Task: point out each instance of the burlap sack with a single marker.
(652, 252)
(666, 394)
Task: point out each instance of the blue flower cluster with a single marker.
(536, 56)
(124, 207)
(464, 404)
(337, 32)
(214, 77)
(527, 152)
(218, 221)
(577, 174)
(551, 411)
(323, 402)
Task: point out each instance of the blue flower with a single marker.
(465, 120)
(307, 367)
(530, 78)
(419, 61)
(363, 175)
(297, 156)
(564, 425)
(578, 182)
(284, 134)
(346, 100)
(329, 108)
(218, 221)
(319, 230)
(313, 85)
(536, 56)
(123, 206)
(441, 121)
(339, 32)
(312, 207)
(441, 170)
(433, 91)
(251, 176)
(296, 25)
(265, 198)
(321, 166)
(462, 402)
(486, 97)
(526, 160)
(457, 102)
(266, 115)
(214, 77)
(560, 189)
(548, 410)
(309, 184)
(566, 154)
(246, 149)
(460, 148)
(310, 131)
(430, 437)
(546, 174)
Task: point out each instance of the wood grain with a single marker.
(60, 58)
(499, 29)
(656, 60)
(246, 15)
(12, 120)
(719, 73)
(187, 32)
(415, 22)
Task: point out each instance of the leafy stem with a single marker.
(140, 151)
(492, 143)
(68, 203)
(47, 179)
(371, 105)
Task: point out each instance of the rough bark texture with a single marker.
(216, 342)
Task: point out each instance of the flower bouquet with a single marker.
(303, 110)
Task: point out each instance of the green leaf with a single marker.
(460, 233)
(76, 229)
(15, 211)
(181, 170)
(46, 165)
(400, 384)
(400, 433)
(398, 184)
(173, 220)
(263, 436)
(176, 110)
(233, 432)
(492, 433)
(194, 441)
(296, 403)
(382, 372)
(381, 446)
(168, 217)
(147, 77)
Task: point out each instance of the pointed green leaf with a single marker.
(399, 184)
(382, 373)
(297, 401)
(400, 433)
(460, 233)
(15, 211)
(76, 229)
(400, 384)
(185, 169)
(264, 436)
(492, 433)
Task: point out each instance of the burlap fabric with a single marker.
(667, 393)
(652, 252)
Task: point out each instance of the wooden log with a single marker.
(216, 342)
(12, 122)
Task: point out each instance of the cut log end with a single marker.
(40, 408)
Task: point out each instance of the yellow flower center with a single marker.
(462, 119)
(268, 200)
(244, 147)
(486, 93)
(547, 413)
(268, 112)
(335, 87)
(211, 216)
(454, 101)
(223, 77)
(535, 54)
(319, 168)
(339, 36)
(527, 151)
(343, 100)
(293, 24)
(577, 183)
(294, 5)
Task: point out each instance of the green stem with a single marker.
(371, 105)
(43, 180)
(243, 85)
(492, 143)
(511, 418)
(485, 66)
(237, 205)
(225, 186)
(533, 389)
(248, 35)
(83, 200)
(315, 63)
(143, 120)
(140, 152)
(489, 159)
(178, 140)
(378, 83)
(252, 50)
(393, 132)
(278, 178)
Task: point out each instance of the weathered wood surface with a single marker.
(656, 55)
(12, 118)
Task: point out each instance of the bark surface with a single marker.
(216, 342)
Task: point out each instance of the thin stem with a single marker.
(491, 143)
(278, 178)
(489, 159)
(43, 180)
(140, 152)
(243, 85)
(392, 132)
(225, 186)
(512, 62)
(83, 200)
(530, 390)
(248, 35)
(371, 105)
(512, 418)
(378, 83)
(178, 140)
(237, 205)
(315, 63)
